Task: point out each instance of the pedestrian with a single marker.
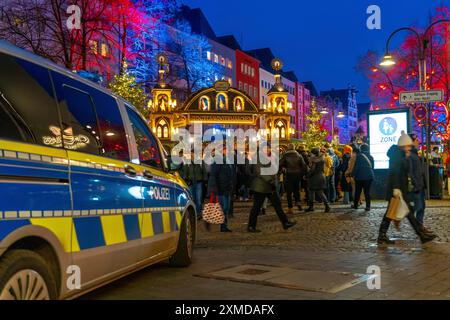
(417, 174)
(363, 172)
(328, 170)
(304, 182)
(196, 176)
(436, 178)
(294, 168)
(349, 172)
(331, 187)
(447, 169)
(345, 180)
(316, 180)
(220, 184)
(338, 176)
(265, 187)
(399, 184)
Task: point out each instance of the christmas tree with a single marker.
(316, 134)
(125, 86)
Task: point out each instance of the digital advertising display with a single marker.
(384, 130)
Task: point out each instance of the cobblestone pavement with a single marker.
(342, 241)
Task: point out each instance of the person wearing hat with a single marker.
(316, 180)
(399, 184)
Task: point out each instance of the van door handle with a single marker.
(130, 171)
(148, 175)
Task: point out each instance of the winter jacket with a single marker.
(194, 173)
(328, 168)
(293, 163)
(344, 167)
(416, 171)
(221, 179)
(398, 172)
(316, 176)
(363, 169)
(351, 165)
(266, 184)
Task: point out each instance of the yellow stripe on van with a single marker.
(87, 158)
(146, 225)
(179, 218)
(62, 228)
(32, 148)
(166, 222)
(113, 229)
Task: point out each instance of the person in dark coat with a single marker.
(196, 177)
(294, 169)
(346, 186)
(364, 175)
(304, 183)
(416, 165)
(263, 187)
(221, 184)
(399, 184)
(316, 180)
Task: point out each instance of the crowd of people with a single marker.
(323, 175)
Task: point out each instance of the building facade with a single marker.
(247, 74)
(344, 101)
(226, 58)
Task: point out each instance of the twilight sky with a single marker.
(320, 40)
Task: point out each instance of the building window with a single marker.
(93, 46)
(222, 61)
(162, 129)
(105, 51)
(242, 68)
(240, 85)
(230, 64)
(216, 58)
(246, 88)
(208, 55)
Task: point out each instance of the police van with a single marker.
(87, 194)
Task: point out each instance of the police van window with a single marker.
(28, 111)
(79, 121)
(114, 139)
(147, 145)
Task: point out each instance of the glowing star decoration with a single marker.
(71, 142)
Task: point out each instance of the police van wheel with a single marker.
(24, 275)
(183, 255)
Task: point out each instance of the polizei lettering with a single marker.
(157, 193)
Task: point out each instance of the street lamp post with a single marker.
(388, 60)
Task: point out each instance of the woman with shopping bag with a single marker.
(399, 188)
(221, 185)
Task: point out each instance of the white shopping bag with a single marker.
(402, 209)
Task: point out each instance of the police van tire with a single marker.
(183, 255)
(26, 264)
